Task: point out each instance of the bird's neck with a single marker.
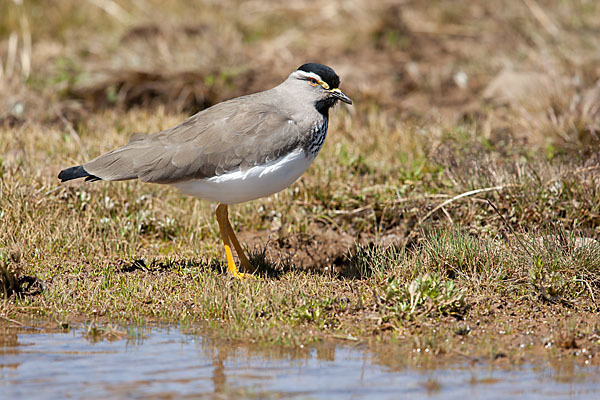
(323, 106)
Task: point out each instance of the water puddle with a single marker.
(166, 363)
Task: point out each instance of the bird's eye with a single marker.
(313, 81)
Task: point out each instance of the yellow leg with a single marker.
(229, 236)
(246, 266)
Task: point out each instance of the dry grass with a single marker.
(457, 199)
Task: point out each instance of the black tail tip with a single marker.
(76, 172)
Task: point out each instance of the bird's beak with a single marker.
(338, 94)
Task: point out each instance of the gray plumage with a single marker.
(236, 134)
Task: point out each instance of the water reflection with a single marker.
(167, 363)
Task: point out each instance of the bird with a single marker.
(233, 152)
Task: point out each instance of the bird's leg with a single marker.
(246, 266)
(229, 238)
(223, 225)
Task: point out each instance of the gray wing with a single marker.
(232, 135)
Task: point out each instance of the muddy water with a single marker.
(166, 363)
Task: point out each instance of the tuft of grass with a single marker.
(458, 254)
(563, 265)
(373, 261)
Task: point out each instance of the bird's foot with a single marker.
(232, 268)
(242, 275)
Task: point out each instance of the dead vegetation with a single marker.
(458, 198)
(13, 282)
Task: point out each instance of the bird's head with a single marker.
(320, 84)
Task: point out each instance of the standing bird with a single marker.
(235, 151)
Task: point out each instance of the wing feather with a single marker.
(228, 136)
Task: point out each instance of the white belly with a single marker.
(250, 184)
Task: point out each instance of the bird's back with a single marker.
(225, 137)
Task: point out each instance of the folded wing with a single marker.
(232, 135)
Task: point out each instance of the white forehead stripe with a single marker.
(305, 74)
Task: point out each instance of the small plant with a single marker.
(316, 311)
(428, 294)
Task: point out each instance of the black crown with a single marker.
(327, 74)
